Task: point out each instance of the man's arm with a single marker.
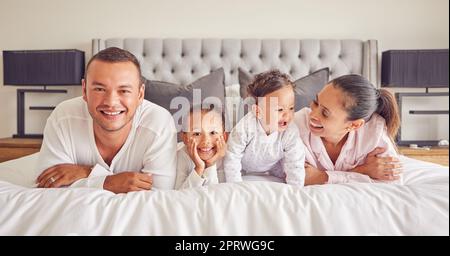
(62, 175)
(57, 164)
(55, 148)
(56, 167)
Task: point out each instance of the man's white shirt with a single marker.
(150, 146)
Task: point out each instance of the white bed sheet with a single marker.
(250, 208)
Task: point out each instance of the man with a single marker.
(111, 137)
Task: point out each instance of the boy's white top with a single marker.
(354, 152)
(150, 146)
(251, 150)
(187, 177)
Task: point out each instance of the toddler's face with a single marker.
(205, 129)
(277, 109)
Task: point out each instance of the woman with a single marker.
(349, 133)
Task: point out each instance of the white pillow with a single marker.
(20, 171)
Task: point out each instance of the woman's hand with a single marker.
(380, 168)
(314, 176)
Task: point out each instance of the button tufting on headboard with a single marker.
(160, 58)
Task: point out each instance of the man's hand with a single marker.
(193, 154)
(314, 176)
(62, 175)
(380, 168)
(125, 182)
(221, 149)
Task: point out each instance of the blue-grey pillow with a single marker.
(162, 93)
(306, 88)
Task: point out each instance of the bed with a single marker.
(253, 207)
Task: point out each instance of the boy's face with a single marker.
(205, 129)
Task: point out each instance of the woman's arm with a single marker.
(381, 163)
(314, 176)
(387, 168)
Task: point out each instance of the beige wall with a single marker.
(56, 24)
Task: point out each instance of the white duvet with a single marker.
(421, 207)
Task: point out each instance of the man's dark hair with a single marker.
(114, 54)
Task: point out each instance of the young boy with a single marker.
(199, 161)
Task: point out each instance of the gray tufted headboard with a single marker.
(184, 60)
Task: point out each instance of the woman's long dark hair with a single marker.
(363, 99)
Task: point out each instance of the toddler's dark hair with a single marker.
(268, 82)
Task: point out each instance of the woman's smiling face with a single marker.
(328, 117)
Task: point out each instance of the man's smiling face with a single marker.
(112, 91)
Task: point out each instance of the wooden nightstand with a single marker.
(14, 148)
(438, 155)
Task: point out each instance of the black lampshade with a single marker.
(415, 68)
(43, 67)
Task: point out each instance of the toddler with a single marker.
(266, 140)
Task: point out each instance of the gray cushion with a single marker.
(162, 93)
(305, 90)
